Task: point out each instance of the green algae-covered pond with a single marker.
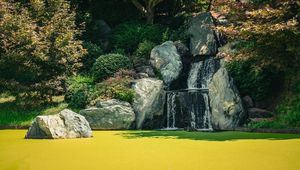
(152, 150)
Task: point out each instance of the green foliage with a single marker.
(93, 52)
(128, 36)
(258, 82)
(288, 115)
(38, 46)
(289, 112)
(118, 87)
(12, 114)
(107, 65)
(142, 55)
(79, 89)
(266, 125)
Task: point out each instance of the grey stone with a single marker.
(182, 49)
(226, 104)
(248, 102)
(149, 99)
(167, 61)
(66, 124)
(203, 40)
(111, 102)
(110, 114)
(141, 75)
(259, 113)
(147, 70)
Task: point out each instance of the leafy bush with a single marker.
(128, 36)
(107, 65)
(79, 90)
(93, 52)
(288, 116)
(258, 82)
(266, 125)
(38, 46)
(142, 55)
(289, 112)
(118, 87)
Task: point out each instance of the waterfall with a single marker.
(171, 111)
(193, 75)
(200, 74)
(190, 107)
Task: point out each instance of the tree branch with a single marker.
(139, 6)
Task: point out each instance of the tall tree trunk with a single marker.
(150, 14)
(147, 8)
(150, 18)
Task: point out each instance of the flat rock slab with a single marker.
(110, 115)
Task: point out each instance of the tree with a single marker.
(147, 7)
(273, 28)
(38, 46)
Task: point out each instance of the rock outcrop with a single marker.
(203, 38)
(149, 99)
(66, 124)
(167, 61)
(226, 105)
(110, 114)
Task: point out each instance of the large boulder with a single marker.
(66, 124)
(167, 61)
(110, 114)
(203, 37)
(226, 105)
(149, 100)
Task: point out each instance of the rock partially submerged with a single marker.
(66, 124)
(110, 114)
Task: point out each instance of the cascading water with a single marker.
(171, 112)
(200, 74)
(192, 102)
(193, 75)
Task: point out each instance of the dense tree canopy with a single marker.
(38, 46)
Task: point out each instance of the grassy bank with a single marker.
(12, 114)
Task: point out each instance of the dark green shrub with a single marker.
(107, 65)
(93, 52)
(289, 111)
(118, 87)
(142, 55)
(128, 36)
(79, 90)
(258, 82)
(266, 125)
(38, 46)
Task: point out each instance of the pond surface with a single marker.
(152, 150)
